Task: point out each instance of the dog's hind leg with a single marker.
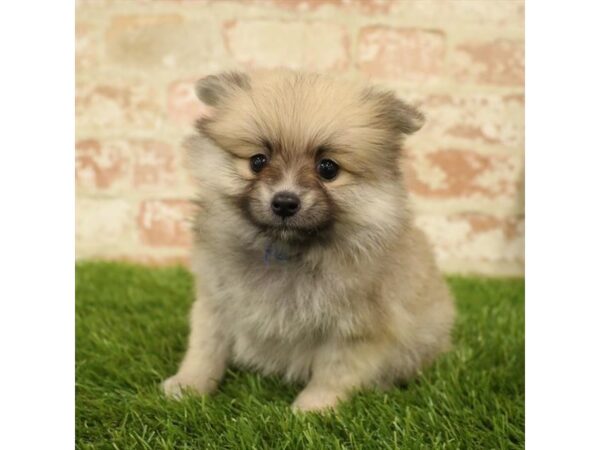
(338, 369)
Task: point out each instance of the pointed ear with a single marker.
(212, 89)
(395, 113)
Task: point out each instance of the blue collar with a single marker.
(273, 253)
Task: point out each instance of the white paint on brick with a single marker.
(104, 222)
(293, 44)
(456, 240)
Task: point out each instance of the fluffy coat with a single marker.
(343, 295)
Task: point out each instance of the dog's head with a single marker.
(299, 153)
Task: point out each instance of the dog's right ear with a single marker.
(212, 89)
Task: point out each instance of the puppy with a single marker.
(307, 262)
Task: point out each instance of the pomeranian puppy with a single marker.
(306, 259)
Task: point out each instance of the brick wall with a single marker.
(462, 61)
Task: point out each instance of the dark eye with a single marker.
(327, 169)
(258, 162)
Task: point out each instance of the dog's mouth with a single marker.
(294, 230)
(293, 233)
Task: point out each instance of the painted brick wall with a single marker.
(462, 61)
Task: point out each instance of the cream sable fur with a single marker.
(307, 262)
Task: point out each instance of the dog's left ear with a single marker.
(213, 89)
(395, 113)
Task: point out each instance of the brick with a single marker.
(117, 105)
(164, 223)
(117, 165)
(86, 43)
(364, 6)
(297, 45)
(403, 53)
(100, 166)
(162, 41)
(480, 118)
(475, 237)
(183, 105)
(440, 12)
(498, 62)
(105, 222)
(456, 173)
(154, 164)
(92, 4)
(492, 12)
(374, 6)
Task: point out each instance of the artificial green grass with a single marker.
(131, 332)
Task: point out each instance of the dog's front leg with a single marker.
(339, 368)
(206, 358)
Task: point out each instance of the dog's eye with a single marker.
(327, 169)
(258, 162)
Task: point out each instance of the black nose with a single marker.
(285, 204)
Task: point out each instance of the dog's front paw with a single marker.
(316, 400)
(175, 386)
(172, 387)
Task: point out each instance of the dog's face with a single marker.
(299, 153)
